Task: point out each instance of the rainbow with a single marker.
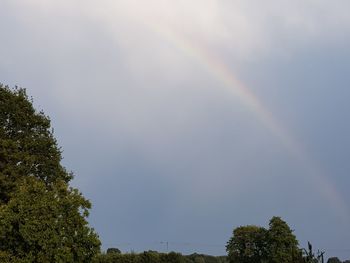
(213, 65)
(233, 85)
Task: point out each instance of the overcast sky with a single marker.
(185, 119)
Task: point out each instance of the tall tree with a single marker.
(247, 245)
(282, 243)
(42, 219)
(27, 144)
(253, 244)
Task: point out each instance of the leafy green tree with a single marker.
(247, 245)
(150, 257)
(253, 244)
(47, 226)
(42, 219)
(113, 250)
(27, 145)
(282, 243)
(156, 257)
(205, 258)
(172, 257)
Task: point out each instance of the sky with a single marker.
(182, 120)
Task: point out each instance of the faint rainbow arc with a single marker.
(232, 84)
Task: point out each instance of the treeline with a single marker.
(248, 244)
(156, 257)
(113, 255)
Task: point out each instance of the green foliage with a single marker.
(27, 145)
(282, 243)
(47, 226)
(253, 244)
(205, 258)
(42, 219)
(156, 257)
(149, 256)
(113, 250)
(117, 258)
(247, 245)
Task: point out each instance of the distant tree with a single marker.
(156, 257)
(172, 257)
(204, 258)
(150, 257)
(334, 260)
(42, 219)
(282, 243)
(253, 244)
(247, 245)
(113, 250)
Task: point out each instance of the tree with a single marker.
(172, 257)
(42, 219)
(282, 243)
(254, 244)
(204, 258)
(47, 226)
(334, 260)
(247, 245)
(113, 250)
(150, 257)
(27, 145)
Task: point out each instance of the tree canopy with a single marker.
(42, 219)
(247, 245)
(27, 144)
(157, 257)
(253, 244)
(282, 243)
